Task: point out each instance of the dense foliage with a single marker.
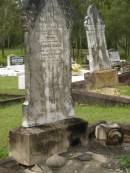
(10, 24)
(116, 15)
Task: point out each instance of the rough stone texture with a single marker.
(55, 163)
(32, 145)
(95, 30)
(114, 57)
(102, 160)
(48, 64)
(101, 79)
(109, 134)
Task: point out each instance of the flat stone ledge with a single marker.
(29, 146)
(84, 97)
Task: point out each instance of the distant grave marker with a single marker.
(101, 72)
(114, 57)
(95, 30)
(14, 60)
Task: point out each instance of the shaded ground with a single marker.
(3, 98)
(11, 117)
(88, 159)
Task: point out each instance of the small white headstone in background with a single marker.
(21, 82)
(15, 66)
(14, 60)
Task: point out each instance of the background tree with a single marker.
(116, 15)
(10, 24)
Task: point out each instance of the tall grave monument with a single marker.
(48, 70)
(48, 123)
(100, 66)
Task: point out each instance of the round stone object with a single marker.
(55, 162)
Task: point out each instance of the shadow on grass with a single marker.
(3, 152)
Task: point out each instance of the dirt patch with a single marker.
(109, 91)
(90, 158)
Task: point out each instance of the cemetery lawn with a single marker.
(124, 90)
(9, 85)
(93, 113)
(11, 115)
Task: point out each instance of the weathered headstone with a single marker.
(114, 57)
(99, 61)
(95, 30)
(48, 67)
(48, 126)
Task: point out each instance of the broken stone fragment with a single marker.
(109, 134)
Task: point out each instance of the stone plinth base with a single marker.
(101, 79)
(32, 145)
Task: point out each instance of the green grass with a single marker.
(123, 162)
(124, 90)
(9, 85)
(92, 113)
(17, 51)
(10, 117)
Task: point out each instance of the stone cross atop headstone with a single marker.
(48, 64)
(95, 30)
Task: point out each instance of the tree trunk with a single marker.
(76, 50)
(81, 58)
(3, 50)
(127, 48)
(73, 54)
(8, 42)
